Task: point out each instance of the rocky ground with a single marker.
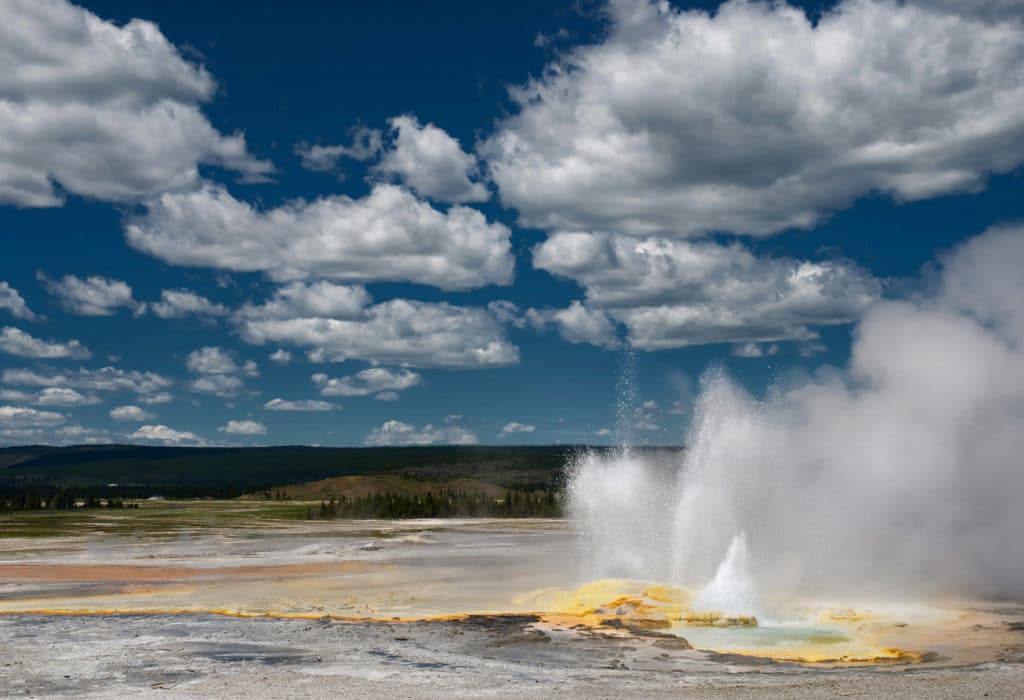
(479, 656)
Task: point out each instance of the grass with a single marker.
(152, 518)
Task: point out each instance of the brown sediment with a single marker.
(717, 619)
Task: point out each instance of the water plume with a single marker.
(900, 475)
(731, 591)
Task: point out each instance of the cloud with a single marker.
(20, 435)
(399, 331)
(220, 374)
(178, 303)
(751, 350)
(281, 356)
(147, 384)
(672, 293)
(15, 395)
(123, 100)
(578, 324)
(366, 144)
(431, 163)
(243, 427)
(223, 385)
(456, 435)
(388, 235)
(211, 360)
(11, 301)
(395, 432)
(386, 396)
(62, 396)
(164, 434)
(314, 299)
(92, 296)
(645, 417)
(372, 380)
(130, 413)
(157, 398)
(992, 10)
(758, 119)
(77, 434)
(15, 341)
(304, 405)
(513, 427)
(19, 417)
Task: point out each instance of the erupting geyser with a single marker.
(645, 517)
(900, 477)
(731, 591)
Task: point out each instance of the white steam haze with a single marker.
(901, 474)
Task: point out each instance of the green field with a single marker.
(165, 519)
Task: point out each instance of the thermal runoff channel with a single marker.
(897, 479)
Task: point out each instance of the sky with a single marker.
(501, 223)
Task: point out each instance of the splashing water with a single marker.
(731, 591)
(885, 485)
(645, 516)
(900, 475)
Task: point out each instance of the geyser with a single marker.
(900, 476)
(731, 590)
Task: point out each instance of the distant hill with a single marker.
(371, 484)
(140, 471)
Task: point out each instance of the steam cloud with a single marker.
(902, 473)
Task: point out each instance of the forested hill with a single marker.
(139, 471)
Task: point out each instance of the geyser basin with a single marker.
(799, 631)
(220, 557)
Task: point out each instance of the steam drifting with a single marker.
(902, 474)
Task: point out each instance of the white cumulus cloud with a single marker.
(578, 323)
(12, 302)
(431, 162)
(757, 118)
(399, 331)
(243, 427)
(164, 434)
(219, 374)
(178, 303)
(281, 356)
(93, 295)
(130, 413)
(211, 360)
(672, 293)
(372, 380)
(62, 396)
(301, 405)
(395, 432)
(388, 235)
(146, 384)
(15, 341)
(123, 100)
(19, 417)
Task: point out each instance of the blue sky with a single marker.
(428, 223)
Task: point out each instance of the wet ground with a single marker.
(246, 600)
(212, 655)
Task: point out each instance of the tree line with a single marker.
(443, 504)
(57, 500)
